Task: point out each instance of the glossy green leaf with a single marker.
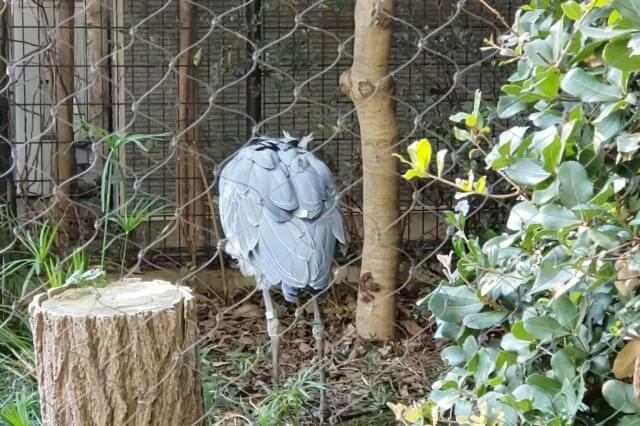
(453, 304)
(572, 10)
(519, 332)
(566, 312)
(617, 54)
(544, 383)
(521, 215)
(563, 366)
(549, 82)
(513, 344)
(620, 397)
(543, 329)
(608, 128)
(575, 185)
(470, 346)
(508, 106)
(453, 355)
(551, 276)
(539, 398)
(543, 196)
(556, 217)
(629, 9)
(540, 52)
(588, 88)
(605, 33)
(527, 172)
(484, 320)
(552, 154)
(506, 358)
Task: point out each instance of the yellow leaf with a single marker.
(624, 364)
(397, 410)
(614, 17)
(412, 414)
(481, 185)
(410, 174)
(197, 57)
(596, 4)
(466, 185)
(471, 121)
(420, 154)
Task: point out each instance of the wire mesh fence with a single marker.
(115, 121)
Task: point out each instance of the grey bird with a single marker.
(281, 219)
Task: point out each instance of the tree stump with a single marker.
(116, 355)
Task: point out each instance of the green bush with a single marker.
(541, 317)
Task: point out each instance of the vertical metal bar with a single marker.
(253, 16)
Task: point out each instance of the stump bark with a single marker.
(121, 354)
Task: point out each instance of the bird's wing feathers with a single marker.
(279, 211)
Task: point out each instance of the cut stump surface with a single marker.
(121, 354)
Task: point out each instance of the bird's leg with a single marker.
(273, 328)
(318, 334)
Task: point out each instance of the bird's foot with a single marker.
(222, 242)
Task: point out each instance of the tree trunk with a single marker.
(190, 190)
(97, 16)
(64, 161)
(371, 89)
(121, 354)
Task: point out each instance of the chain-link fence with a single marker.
(115, 119)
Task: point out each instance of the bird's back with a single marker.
(279, 212)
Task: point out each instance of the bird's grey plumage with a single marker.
(279, 212)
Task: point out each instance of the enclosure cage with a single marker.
(256, 66)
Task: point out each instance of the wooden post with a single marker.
(64, 160)
(116, 355)
(97, 16)
(371, 89)
(253, 18)
(7, 191)
(189, 186)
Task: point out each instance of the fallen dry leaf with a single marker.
(305, 348)
(627, 279)
(624, 364)
(412, 327)
(247, 341)
(248, 310)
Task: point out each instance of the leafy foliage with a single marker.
(537, 315)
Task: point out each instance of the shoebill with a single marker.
(280, 216)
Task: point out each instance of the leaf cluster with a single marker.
(538, 316)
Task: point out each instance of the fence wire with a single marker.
(115, 120)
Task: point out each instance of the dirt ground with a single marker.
(362, 376)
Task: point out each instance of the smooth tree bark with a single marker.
(121, 354)
(63, 155)
(371, 89)
(189, 185)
